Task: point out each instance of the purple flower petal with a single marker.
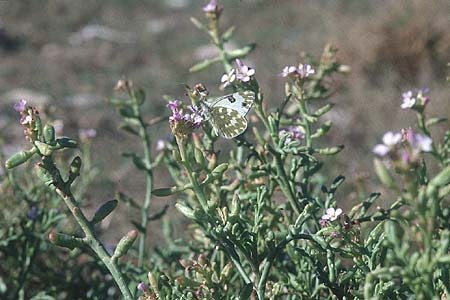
(21, 105)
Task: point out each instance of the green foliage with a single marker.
(265, 219)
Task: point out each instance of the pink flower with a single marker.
(293, 133)
(245, 72)
(142, 287)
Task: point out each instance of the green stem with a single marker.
(261, 289)
(148, 193)
(195, 185)
(93, 241)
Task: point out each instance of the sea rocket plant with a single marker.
(256, 229)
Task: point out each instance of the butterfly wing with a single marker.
(227, 122)
(241, 102)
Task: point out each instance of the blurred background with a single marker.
(66, 56)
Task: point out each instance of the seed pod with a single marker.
(49, 133)
(125, 244)
(19, 158)
(104, 211)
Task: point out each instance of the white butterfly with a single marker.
(227, 114)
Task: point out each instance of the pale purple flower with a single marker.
(332, 214)
(196, 117)
(288, 70)
(87, 134)
(305, 70)
(160, 145)
(390, 139)
(173, 105)
(415, 98)
(213, 7)
(417, 141)
(323, 222)
(228, 78)
(293, 133)
(177, 116)
(245, 72)
(142, 287)
(408, 100)
(423, 142)
(334, 234)
(21, 105)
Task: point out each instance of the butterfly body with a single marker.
(227, 114)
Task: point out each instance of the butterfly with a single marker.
(227, 114)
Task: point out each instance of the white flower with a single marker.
(288, 70)
(423, 142)
(332, 214)
(227, 79)
(390, 139)
(408, 100)
(305, 70)
(26, 120)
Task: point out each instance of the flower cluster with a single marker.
(243, 73)
(293, 134)
(300, 72)
(404, 148)
(183, 123)
(415, 99)
(28, 117)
